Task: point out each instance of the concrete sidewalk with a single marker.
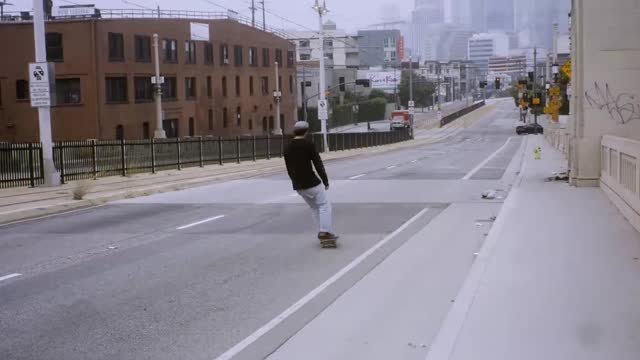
(557, 278)
(23, 203)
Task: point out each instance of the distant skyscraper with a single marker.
(478, 18)
(461, 12)
(432, 10)
(534, 21)
(500, 15)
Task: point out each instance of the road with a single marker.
(189, 274)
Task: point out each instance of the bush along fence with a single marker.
(449, 118)
(22, 165)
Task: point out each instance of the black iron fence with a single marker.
(22, 165)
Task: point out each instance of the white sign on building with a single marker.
(199, 32)
(74, 11)
(381, 79)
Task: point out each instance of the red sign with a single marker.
(401, 48)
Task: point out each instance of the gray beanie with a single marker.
(301, 125)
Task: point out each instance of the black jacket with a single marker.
(298, 156)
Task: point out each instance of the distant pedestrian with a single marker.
(301, 157)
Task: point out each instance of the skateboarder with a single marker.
(300, 157)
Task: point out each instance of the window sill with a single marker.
(190, 98)
(70, 105)
(144, 101)
(143, 61)
(116, 60)
(169, 99)
(117, 102)
(22, 100)
(170, 62)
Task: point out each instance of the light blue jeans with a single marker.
(316, 198)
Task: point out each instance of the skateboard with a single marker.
(328, 244)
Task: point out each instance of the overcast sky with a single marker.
(348, 14)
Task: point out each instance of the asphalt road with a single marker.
(188, 274)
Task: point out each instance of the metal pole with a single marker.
(264, 21)
(411, 88)
(304, 92)
(278, 130)
(51, 176)
(322, 9)
(159, 132)
(253, 13)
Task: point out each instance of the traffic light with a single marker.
(497, 83)
(483, 84)
(343, 86)
(531, 76)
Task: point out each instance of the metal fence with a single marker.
(449, 118)
(22, 165)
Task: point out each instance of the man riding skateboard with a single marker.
(300, 157)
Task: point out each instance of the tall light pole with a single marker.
(51, 176)
(411, 108)
(159, 131)
(324, 115)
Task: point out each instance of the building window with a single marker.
(224, 54)
(237, 85)
(225, 119)
(328, 44)
(116, 89)
(190, 52)
(282, 122)
(210, 118)
(250, 124)
(119, 132)
(271, 124)
(224, 86)
(291, 56)
(143, 48)
(305, 57)
(142, 88)
(146, 133)
(291, 84)
(304, 43)
(169, 88)
(170, 127)
(251, 86)
(237, 55)
(68, 91)
(264, 85)
(170, 50)
(390, 42)
(329, 56)
(279, 83)
(279, 57)
(238, 117)
(264, 124)
(55, 52)
(192, 127)
(208, 53)
(266, 62)
(22, 90)
(253, 56)
(190, 88)
(116, 47)
(209, 87)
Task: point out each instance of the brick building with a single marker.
(223, 87)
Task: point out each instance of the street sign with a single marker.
(323, 111)
(154, 80)
(41, 86)
(412, 103)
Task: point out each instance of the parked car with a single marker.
(529, 129)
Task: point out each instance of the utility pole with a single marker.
(321, 10)
(411, 105)
(277, 94)
(253, 13)
(264, 19)
(535, 80)
(304, 92)
(159, 131)
(51, 176)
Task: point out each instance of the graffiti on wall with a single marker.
(622, 107)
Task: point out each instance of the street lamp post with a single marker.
(276, 95)
(324, 115)
(159, 132)
(51, 176)
(411, 92)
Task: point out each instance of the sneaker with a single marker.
(327, 236)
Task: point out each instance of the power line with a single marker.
(131, 3)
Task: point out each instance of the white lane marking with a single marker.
(391, 167)
(357, 176)
(10, 276)
(200, 222)
(414, 161)
(483, 163)
(315, 292)
(294, 194)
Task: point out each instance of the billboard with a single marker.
(386, 80)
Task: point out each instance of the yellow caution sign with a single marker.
(566, 68)
(536, 101)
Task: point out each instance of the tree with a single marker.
(377, 93)
(423, 90)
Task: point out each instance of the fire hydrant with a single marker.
(537, 153)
